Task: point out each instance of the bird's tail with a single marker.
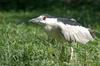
(95, 33)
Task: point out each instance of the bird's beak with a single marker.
(32, 20)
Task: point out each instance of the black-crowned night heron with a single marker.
(65, 29)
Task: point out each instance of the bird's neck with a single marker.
(52, 22)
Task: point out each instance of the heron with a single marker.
(64, 29)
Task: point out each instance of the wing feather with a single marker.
(77, 33)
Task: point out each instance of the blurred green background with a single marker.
(43, 4)
(25, 44)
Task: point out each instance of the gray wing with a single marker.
(69, 21)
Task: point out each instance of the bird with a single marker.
(64, 29)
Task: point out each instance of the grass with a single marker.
(25, 44)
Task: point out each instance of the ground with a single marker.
(25, 44)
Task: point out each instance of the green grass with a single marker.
(25, 44)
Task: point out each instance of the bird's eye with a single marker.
(44, 18)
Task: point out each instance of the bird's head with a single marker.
(40, 19)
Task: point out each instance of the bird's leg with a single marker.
(72, 53)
